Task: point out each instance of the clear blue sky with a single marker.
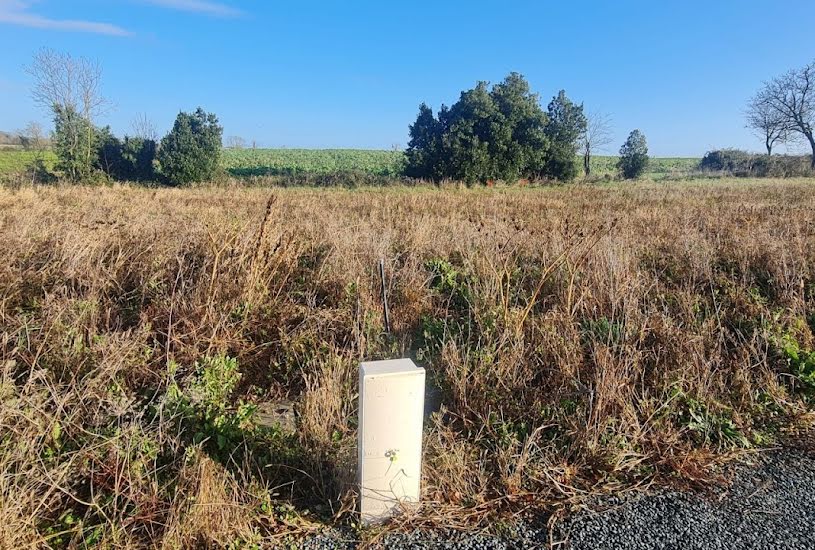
(352, 74)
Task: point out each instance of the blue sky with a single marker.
(352, 74)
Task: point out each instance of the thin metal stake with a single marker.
(384, 296)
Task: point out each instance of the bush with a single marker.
(633, 155)
(191, 151)
(128, 160)
(740, 163)
(733, 161)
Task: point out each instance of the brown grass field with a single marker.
(580, 338)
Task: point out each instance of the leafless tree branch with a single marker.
(597, 136)
(790, 99)
(144, 128)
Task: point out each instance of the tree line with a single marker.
(500, 132)
(69, 88)
(503, 133)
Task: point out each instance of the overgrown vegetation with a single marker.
(573, 352)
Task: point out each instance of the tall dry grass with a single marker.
(578, 338)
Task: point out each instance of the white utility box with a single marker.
(391, 412)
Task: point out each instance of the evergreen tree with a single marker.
(633, 155)
(424, 145)
(521, 143)
(131, 159)
(487, 134)
(192, 149)
(567, 125)
(472, 124)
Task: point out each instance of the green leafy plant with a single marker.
(206, 409)
(707, 426)
(488, 134)
(602, 330)
(801, 362)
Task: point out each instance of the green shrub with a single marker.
(733, 161)
(206, 409)
(633, 156)
(191, 151)
(131, 159)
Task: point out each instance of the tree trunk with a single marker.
(769, 145)
(811, 139)
(587, 163)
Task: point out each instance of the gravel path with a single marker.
(770, 504)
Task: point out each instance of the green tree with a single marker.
(487, 134)
(521, 143)
(469, 142)
(424, 146)
(70, 89)
(566, 128)
(75, 143)
(191, 151)
(633, 155)
(131, 159)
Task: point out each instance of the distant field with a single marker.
(16, 160)
(656, 167)
(259, 162)
(266, 162)
(272, 162)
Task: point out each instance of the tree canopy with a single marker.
(634, 155)
(498, 133)
(192, 149)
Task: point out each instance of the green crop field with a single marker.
(263, 162)
(260, 162)
(270, 162)
(17, 160)
(657, 167)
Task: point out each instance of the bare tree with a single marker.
(69, 88)
(60, 79)
(33, 137)
(791, 98)
(766, 122)
(597, 136)
(144, 128)
(235, 142)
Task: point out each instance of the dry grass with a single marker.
(581, 339)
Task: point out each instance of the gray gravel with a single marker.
(769, 504)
